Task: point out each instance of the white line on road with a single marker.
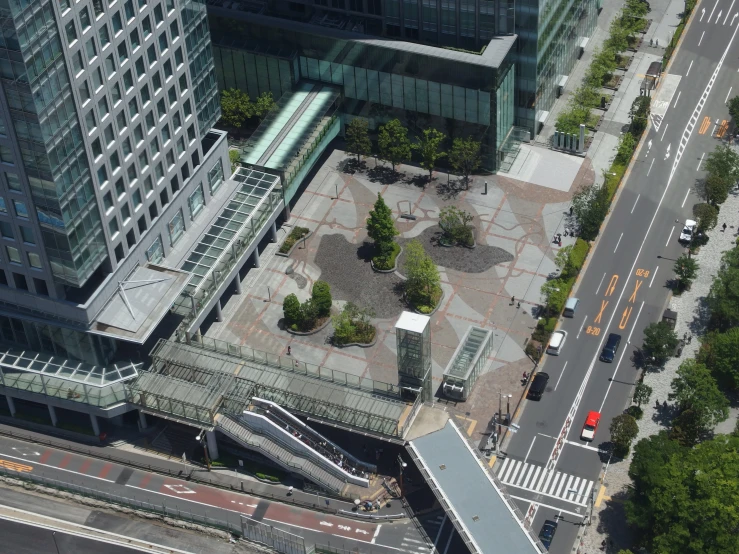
(700, 162)
(585, 446)
(601, 282)
(529, 450)
(650, 167)
(583, 324)
(377, 532)
(676, 99)
(560, 376)
(727, 95)
(663, 132)
(612, 378)
(685, 199)
(689, 68)
(634, 326)
(728, 13)
(653, 276)
(713, 10)
(637, 198)
(701, 39)
(619, 242)
(703, 12)
(57, 468)
(546, 506)
(668, 238)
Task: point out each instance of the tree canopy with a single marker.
(720, 354)
(696, 390)
(465, 157)
(423, 283)
(686, 269)
(237, 107)
(624, 430)
(723, 161)
(660, 342)
(429, 149)
(381, 227)
(357, 138)
(733, 106)
(395, 147)
(723, 298)
(590, 205)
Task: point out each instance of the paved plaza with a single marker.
(514, 225)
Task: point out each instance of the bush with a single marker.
(556, 293)
(295, 235)
(544, 329)
(578, 254)
(321, 298)
(387, 262)
(635, 411)
(353, 325)
(291, 310)
(532, 351)
(454, 223)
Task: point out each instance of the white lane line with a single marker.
(581, 326)
(663, 132)
(601, 282)
(685, 199)
(727, 95)
(678, 98)
(650, 166)
(546, 506)
(713, 131)
(619, 242)
(668, 238)
(689, 68)
(377, 532)
(700, 162)
(26, 460)
(634, 326)
(585, 446)
(653, 276)
(637, 199)
(529, 451)
(560, 376)
(701, 39)
(612, 379)
(728, 13)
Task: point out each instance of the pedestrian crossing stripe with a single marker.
(535, 478)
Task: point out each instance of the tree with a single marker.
(555, 293)
(264, 104)
(234, 156)
(291, 310)
(723, 298)
(707, 217)
(236, 107)
(624, 430)
(393, 142)
(353, 324)
(428, 147)
(423, 283)
(686, 269)
(695, 389)
(465, 157)
(733, 106)
(357, 138)
(455, 224)
(681, 495)
(642, 394)
(626, 147)
(590, 205)
(321, 298)
(720, 354)
(562, 259)
(716, 188)
(381, 227)
(639, 114)
(660, 342)
(723, 161)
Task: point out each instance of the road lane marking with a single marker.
(601, 282)
(530, 447)
(728, 13)
(722, 129)
(492, 460)
(653, 276)
(701, 39)
(727, 95)
(713, 10)
(634, 326)
(59, 468)
(676, 99)
(700, 162)
(668, 238)
(586, 447)
(553, 485)
(583, 324)
(639, 195)
(689, 68)
(619, 242)
(377, 532)
(663, 132)
(15, 466)
(546, 505)
(650, 166)
(637, 286)
(601, 494)
(613, 377)
(560, 376)
(611, 285)
(685, 199)
(704, 125)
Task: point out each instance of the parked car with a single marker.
(686, 235)
(556, 342)
(538, 386)
(547, 532)
(590, 427)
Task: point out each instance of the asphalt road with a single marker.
(186, 497)
(624, 287)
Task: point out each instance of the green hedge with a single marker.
(578, 254)
(389, 262)
(295, 235)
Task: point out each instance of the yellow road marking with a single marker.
(601, 496)
(492, 460)
(704, 125)
(471, 427)
(14, 466)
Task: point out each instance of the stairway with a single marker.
(276, 452)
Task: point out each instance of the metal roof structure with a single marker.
(466, 356)
(476, 502)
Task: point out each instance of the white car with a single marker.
(686, 235)
(556, 343)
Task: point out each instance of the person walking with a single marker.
(723, 227)
(289, 351)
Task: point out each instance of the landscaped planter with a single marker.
(432, 312)
(321, 327)
(392, 269)
(359, 344)
(294, 246)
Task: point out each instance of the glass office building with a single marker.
(459, 93)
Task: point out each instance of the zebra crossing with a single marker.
(535, 478)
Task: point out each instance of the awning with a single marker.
(140, 303)
(563, 80)
(543, 116)
(584, 42)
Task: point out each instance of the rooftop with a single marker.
(468, 351)
(413, 322)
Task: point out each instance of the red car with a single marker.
(590, 427)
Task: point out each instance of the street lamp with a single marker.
(589, 506)
(500, 410)
(201, 439)
(401, 466)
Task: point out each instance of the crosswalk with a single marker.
(535, 478)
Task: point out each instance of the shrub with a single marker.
(635, 411)
(454, 223)
(353, 325)
(291, 310)
(321, 298)
(388, 261)
(577, 255)
(295, 235)
(532, 351)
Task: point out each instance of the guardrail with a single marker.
(371, 516)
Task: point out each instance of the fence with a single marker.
(281, 541)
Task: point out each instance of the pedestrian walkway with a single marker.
(534, 478)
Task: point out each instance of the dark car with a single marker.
(547, 532)
(538, 385)
(611, 347)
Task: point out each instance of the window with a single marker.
(126, 145)
(215, 177)
(178, 58)
(125, 213)
(120, 188)
(142, 4)
(145, 95)
(155, 253)
(97, 150)
(158, 15)
(180, 146)
(138, 135)
(161, 108)
(140, 68)
(150, 122)
(128, 7)
(107, 202)
(103, 107)
(97, 6)
(163, 44)
(175, 184)
(183, 83)
(151, 54)
(163, 198)
(191, 133)
(6, 154)
(27, 235)
(71, 31)
(170, 159)
(34, 260)
(167, 70)
(116, 93)
(120, 119)
(14, 254)
(115, 161)
(133, 108)
(148, 185)
(6, 230)
(85, 19)
(3, 206)
(159, 171)
(84, 90)
(166, 136)
(20, 281)
(104, 35)
(122, 53)
(109, 135)
(188, 108)
(117, 23)
(128, 80)
(77, 62)
(196, 201)
(113, 227)
(156, 82)
(176, 227)
(64, 5)
(109, 66)
(90, 121)
(176, 121)
(170, 5)
(155, 147)
(97, 79)
(146, 26)
(143, 160)
(136, 198)
(172, 94)
(132, 173)
(135, 39)
(174, 30)
(14, 183)
(90, 49)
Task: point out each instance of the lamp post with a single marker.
(201, 439)
(692, 235)
(401, 466)
(500, 409)
(53, 536)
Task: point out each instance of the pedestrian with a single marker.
(690, 338)
(664, 404)
(289, 351)
(570, 211)
(513, 300)
(525, 376)
(518, 305)
(559, 243)
(656, 406)
(723, 227)
(290, 490)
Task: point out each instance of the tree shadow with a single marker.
(366, 251)
(351, 166)
(383, 174)
(613, 524)
(416, 180)
(449, 190)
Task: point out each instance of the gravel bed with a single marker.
(458, 258)
(346, 267)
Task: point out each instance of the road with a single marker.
(186, 497)
(624, 287)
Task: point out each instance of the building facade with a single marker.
(107, 155)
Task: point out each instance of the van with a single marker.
(538, 386)
(611, 347)
(571, 307)
(556, 342)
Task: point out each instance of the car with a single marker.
(547, 532)
(686, 235)
(590, 427)
(538, 385)
(611, 347)
(556, 343)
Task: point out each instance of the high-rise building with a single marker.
(107, 155)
